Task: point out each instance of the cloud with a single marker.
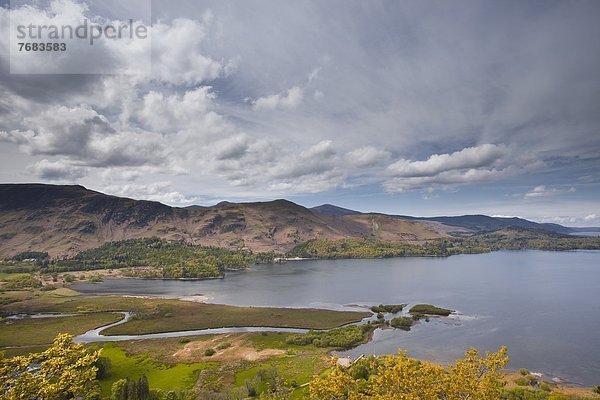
(234, 147)
(366, 156)
(467, 158)
(376, 100)
(125, 55)
(470, 165)
(288, 101)
(590, 217)
(57, 171)
(543, 191)
(444, 180)
(157, 191)
(177, 52)
(81, 134)
(166, 113)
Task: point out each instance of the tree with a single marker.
(118, 390)
(402, 378)
(64, 371)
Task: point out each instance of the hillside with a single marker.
(463, 223)
(64, 220)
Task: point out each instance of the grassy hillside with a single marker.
(65, 220)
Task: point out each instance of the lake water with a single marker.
(543, 306)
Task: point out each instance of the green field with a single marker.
(161, 315)
(6, 276)
(157, 359)
(42, 331)
(161, 376)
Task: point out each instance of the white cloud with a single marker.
(175, 112)
(288, 101)
(543, 191)
(366, 156)
(590, 217)
(157, 191)
(467, 158)
(443, 180)
(177, 52)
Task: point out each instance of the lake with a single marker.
(543, 306)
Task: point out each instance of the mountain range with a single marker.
(65, 219)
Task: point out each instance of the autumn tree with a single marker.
(64, 371)
(402, 378)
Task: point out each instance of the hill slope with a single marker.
(64, 220)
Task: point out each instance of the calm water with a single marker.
(543, 306)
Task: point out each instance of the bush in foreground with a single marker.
(64, 371)
(399, 377)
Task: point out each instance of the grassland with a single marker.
(160, 375)
(162, 315)
(249, 357)
(40, 331)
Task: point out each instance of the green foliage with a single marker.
(209, 352)
(430, 310)
(523, 394)
(96, 278)
(128, 389)
(170, 259)
(30, 255)
(597, 389)
(403, 323)
(524, 372)
(224, 346)
(66, 370)
(23, 283)
(342, 338)
(505, 239)
(103, 366)
(527, 380)
(399, 377)
(388, 308)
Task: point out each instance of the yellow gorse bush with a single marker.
(402, 378)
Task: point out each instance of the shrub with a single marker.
(388, 308)
(209, 352)
(523, 372)
(104, 365)
(224, 346)
(429, 309)
(403, 323)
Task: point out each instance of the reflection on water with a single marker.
(542, 305)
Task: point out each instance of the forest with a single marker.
(506, 239)
(170, 259)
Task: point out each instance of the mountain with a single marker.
(333, 211)
(64, 220)
(470, 223)
(484, 223)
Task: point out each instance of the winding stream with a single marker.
(95, 335)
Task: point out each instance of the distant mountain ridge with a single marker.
(65, 219)
(475, 223)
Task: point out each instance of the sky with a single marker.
(418, 108)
